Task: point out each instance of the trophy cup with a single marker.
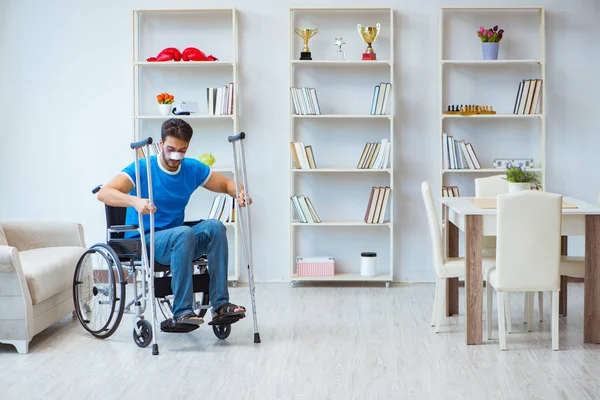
(306, 34)
(339, 54)
(369, 33)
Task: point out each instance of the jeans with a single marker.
(179, 246)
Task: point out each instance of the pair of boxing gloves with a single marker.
(189, 54)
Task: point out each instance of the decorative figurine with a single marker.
(339, 53)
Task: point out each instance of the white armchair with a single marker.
(37, 262)
(528, 252)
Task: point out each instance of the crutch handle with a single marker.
(141, 143)
(96, 189)
(237, 137)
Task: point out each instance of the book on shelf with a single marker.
(375, 155)
(220, 100)
(305, 211)
(378, 202)
(305, 101)
(303, 156)
(450, 191)
(457, 154)
(528, 96)
(223, 208)
(381, 94)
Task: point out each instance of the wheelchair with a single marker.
(106, 270)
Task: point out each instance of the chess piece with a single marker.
(448, 108)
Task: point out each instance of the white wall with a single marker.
(66, 104)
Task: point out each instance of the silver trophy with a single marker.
(339, 53)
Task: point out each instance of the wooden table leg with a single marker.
(451, 283)
(591, 305)
(474, 280)
(562, 298)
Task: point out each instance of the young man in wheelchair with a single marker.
(174, 179)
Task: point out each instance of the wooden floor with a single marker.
(317, 343)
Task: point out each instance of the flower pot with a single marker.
(164, 109)
(490, 50)
(518, 186)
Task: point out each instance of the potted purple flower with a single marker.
(490, 41)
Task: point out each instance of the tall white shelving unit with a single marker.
(503, 135)
(337, 188)
(214, 32)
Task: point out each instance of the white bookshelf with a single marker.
(338, 189)
(491, 82)
(214, 32)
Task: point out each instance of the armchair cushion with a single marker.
(49, 270)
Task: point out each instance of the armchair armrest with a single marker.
(8, 258)
(27, 235)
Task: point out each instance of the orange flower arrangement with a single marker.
(165, 98)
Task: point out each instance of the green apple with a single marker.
(207, 159)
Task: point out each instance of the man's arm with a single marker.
(116, 193)
(221, 184)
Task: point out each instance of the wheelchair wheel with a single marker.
(99, 290)
(144, 338)
(222, 331)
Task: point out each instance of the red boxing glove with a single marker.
(193, 54)
(168, 54)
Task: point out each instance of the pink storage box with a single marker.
(315, 266)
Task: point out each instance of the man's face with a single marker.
(173, 151)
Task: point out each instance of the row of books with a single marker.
(223, 208)
(456, 154)
(375, 155)
(305, 101)
(303, 156)
(381, 94)
(450, 191)
(378, 202)
(305, 211)
(220, 100)
(528, 96)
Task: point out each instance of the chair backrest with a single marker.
(491, 186)
(528, 241)
(115, 216)
(434, 228)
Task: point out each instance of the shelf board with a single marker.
(185, 116)
(499, 8)
(349, 277)
(324, 116)
(490, 62)
(484, 170)
(364, 170)
(338, 223)
(341, 62)
(183, 10)
(444, 116)
(341, 9)
(222, 169)
(182, 64)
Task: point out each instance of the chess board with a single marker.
(470, 110)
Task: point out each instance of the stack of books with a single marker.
(305, 211)
(220, 100)
(303, 156)
(305, 101)
(378, 202)
(223, 208)
(456, 154)
(450, 191)
(528, 96)
(375, 155)
(381, 94)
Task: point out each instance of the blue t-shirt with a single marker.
(171, 191)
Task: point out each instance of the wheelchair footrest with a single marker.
(170, 326)
(226, 320)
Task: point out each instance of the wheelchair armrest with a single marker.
(122, 228)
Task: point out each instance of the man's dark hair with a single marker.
(177, 128)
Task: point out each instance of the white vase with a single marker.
(518, 186)
(164, 109)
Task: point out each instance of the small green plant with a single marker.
(490, 35)
(519, 174)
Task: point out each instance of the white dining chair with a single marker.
(444, 267)
(527, 253)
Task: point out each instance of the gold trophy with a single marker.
(306, 34)
(369, 33)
